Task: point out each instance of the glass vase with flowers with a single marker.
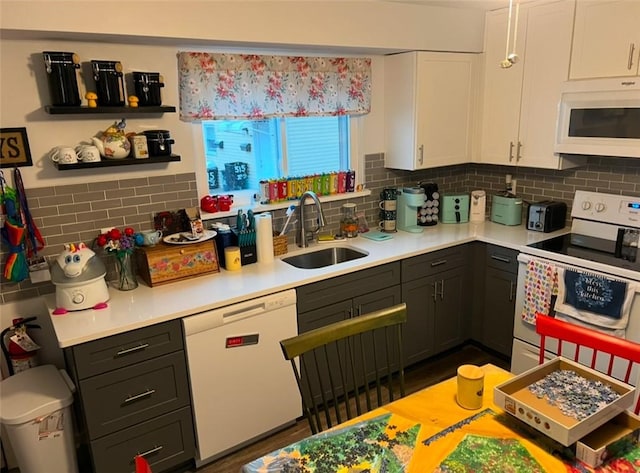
(121, 244)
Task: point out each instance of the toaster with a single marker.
(506, 209)
(454, 208)
(546, 216)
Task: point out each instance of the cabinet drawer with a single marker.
(435, 262)
(330, 291)
(121, 398)
(125, 349)
(168, 441)
(504, 259)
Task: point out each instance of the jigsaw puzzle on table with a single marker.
(483, 442)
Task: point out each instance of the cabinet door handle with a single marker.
(136, 397)
(518, 156)
(149, 452)
(359, 310)
(511, 291)
(632, 48)
(442, 289)
(421, 151)
(350, 312)
(127, 351)
(501, 258)
(438, 263)
(511, 150)
(435, 291)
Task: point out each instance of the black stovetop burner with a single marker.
(562, 245)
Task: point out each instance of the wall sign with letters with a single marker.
(15, 148)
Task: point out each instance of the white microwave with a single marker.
(600, 117)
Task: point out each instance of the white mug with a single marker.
(151, 237)
(64, 155)
(88, 153)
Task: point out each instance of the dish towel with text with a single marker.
(596, 300)
(540, 283)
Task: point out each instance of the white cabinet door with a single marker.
(546, 67)
(502, 89)
(606, 39)
(429, 104)
(520, 104)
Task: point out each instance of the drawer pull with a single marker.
(147, 393)
(438, 263)
(142, 346)
(149, 452)
(501, 258)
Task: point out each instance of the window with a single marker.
(241, 153)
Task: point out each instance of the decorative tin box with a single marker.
(164, 263)
(515, 398)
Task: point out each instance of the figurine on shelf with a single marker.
(133, 101)
(113, 143)
(92, 98)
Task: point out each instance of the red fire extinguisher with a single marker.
(21, 351)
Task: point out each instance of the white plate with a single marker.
(185, 238)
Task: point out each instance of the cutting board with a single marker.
(376, 235)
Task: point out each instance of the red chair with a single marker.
(584, 338)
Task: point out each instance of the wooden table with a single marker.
(431, 426)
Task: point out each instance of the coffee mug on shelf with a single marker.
(151, 237)
(63, 155)
(88, 153)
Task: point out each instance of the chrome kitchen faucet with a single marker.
(304, 236)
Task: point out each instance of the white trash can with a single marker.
(36, 413)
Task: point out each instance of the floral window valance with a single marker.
(232, 86)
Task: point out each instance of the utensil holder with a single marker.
(280, 244)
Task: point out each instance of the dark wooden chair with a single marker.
(585, 339)
(349, 367)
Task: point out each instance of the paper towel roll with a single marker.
(264, 237)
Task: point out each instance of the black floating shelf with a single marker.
(105, 163)
(63, 110)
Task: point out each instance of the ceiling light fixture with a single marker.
(510, 58)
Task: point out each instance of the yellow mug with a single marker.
(470, 386)
(232, 258)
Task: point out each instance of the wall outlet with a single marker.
(512, 186)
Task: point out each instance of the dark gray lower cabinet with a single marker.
(500, 280)
(339, 298)
(133, 399)
(437, 290)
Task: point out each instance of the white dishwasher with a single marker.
(241, 386)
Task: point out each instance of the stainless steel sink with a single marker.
(324, 257)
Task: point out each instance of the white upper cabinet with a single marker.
(429, 105)
(606, 40)
(520, 104)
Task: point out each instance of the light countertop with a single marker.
(144, 306)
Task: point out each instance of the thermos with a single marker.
(62, 77)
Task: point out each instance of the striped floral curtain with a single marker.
(234, 86)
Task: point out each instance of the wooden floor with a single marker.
(416, 377)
